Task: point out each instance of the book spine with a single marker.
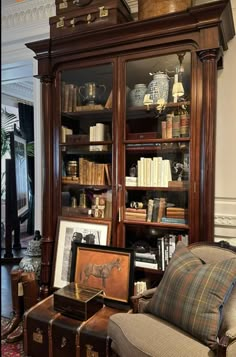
(146, 265)
(173, 220)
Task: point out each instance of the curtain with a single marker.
(26, 120)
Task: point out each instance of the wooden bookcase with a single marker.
(117, 58)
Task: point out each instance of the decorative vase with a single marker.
(31, 262)
(137, 94)
(158, 88)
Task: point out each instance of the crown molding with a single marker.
(19, 91)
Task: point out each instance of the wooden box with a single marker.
(144, 135)
(77, 301)
(89, 18)
(36, 324)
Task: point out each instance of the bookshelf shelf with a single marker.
(165, 189)
(173, 226)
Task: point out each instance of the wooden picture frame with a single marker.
(19, 173)
(81, 230)
(108, 268)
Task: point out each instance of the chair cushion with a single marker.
(191, 294)
(145, 335)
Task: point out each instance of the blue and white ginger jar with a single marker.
(136, 95)
(158, 88)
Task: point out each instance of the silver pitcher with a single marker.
(90, 91)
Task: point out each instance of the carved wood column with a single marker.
(47, 233)
(209, 60)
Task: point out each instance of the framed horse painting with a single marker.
(84, 231)
(108, 268)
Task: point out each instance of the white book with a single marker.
(154, 172)
(63, 134)
(159, 168)
(172, 244)
(91, 137)
(142, 171)
(99, 135)
(139, 172)
(162, 255)
(148, 171)
(146, 265)
(145, 255)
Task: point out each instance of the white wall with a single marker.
(225, 183)
(28, 21)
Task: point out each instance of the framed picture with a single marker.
(20, 172)
(82, 231)
(108, 268)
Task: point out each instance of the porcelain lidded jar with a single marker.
(31, 262)
(137, 94)
(158, 88)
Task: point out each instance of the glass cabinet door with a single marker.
(86, 141)
(156, 152)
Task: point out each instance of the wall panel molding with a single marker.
(225, 219)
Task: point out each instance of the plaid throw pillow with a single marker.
(191, 294)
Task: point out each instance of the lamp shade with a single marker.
(178, 89)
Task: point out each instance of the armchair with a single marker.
(192, 312)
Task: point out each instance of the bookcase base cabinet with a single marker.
(177, 136)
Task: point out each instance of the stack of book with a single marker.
(146, 260)
(176, 212)
(70, 97)
(131, 181)
(64, 132)
(134, 214)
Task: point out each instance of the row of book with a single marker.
(70, 98)
(153, 172)
(92, 173)
(159, 257)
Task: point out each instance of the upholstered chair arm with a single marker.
(139, 301)
(228, 342)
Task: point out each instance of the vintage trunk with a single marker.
(66, 6)
(93, 333)
(37, 322)
(89, 18)
(77, 301)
